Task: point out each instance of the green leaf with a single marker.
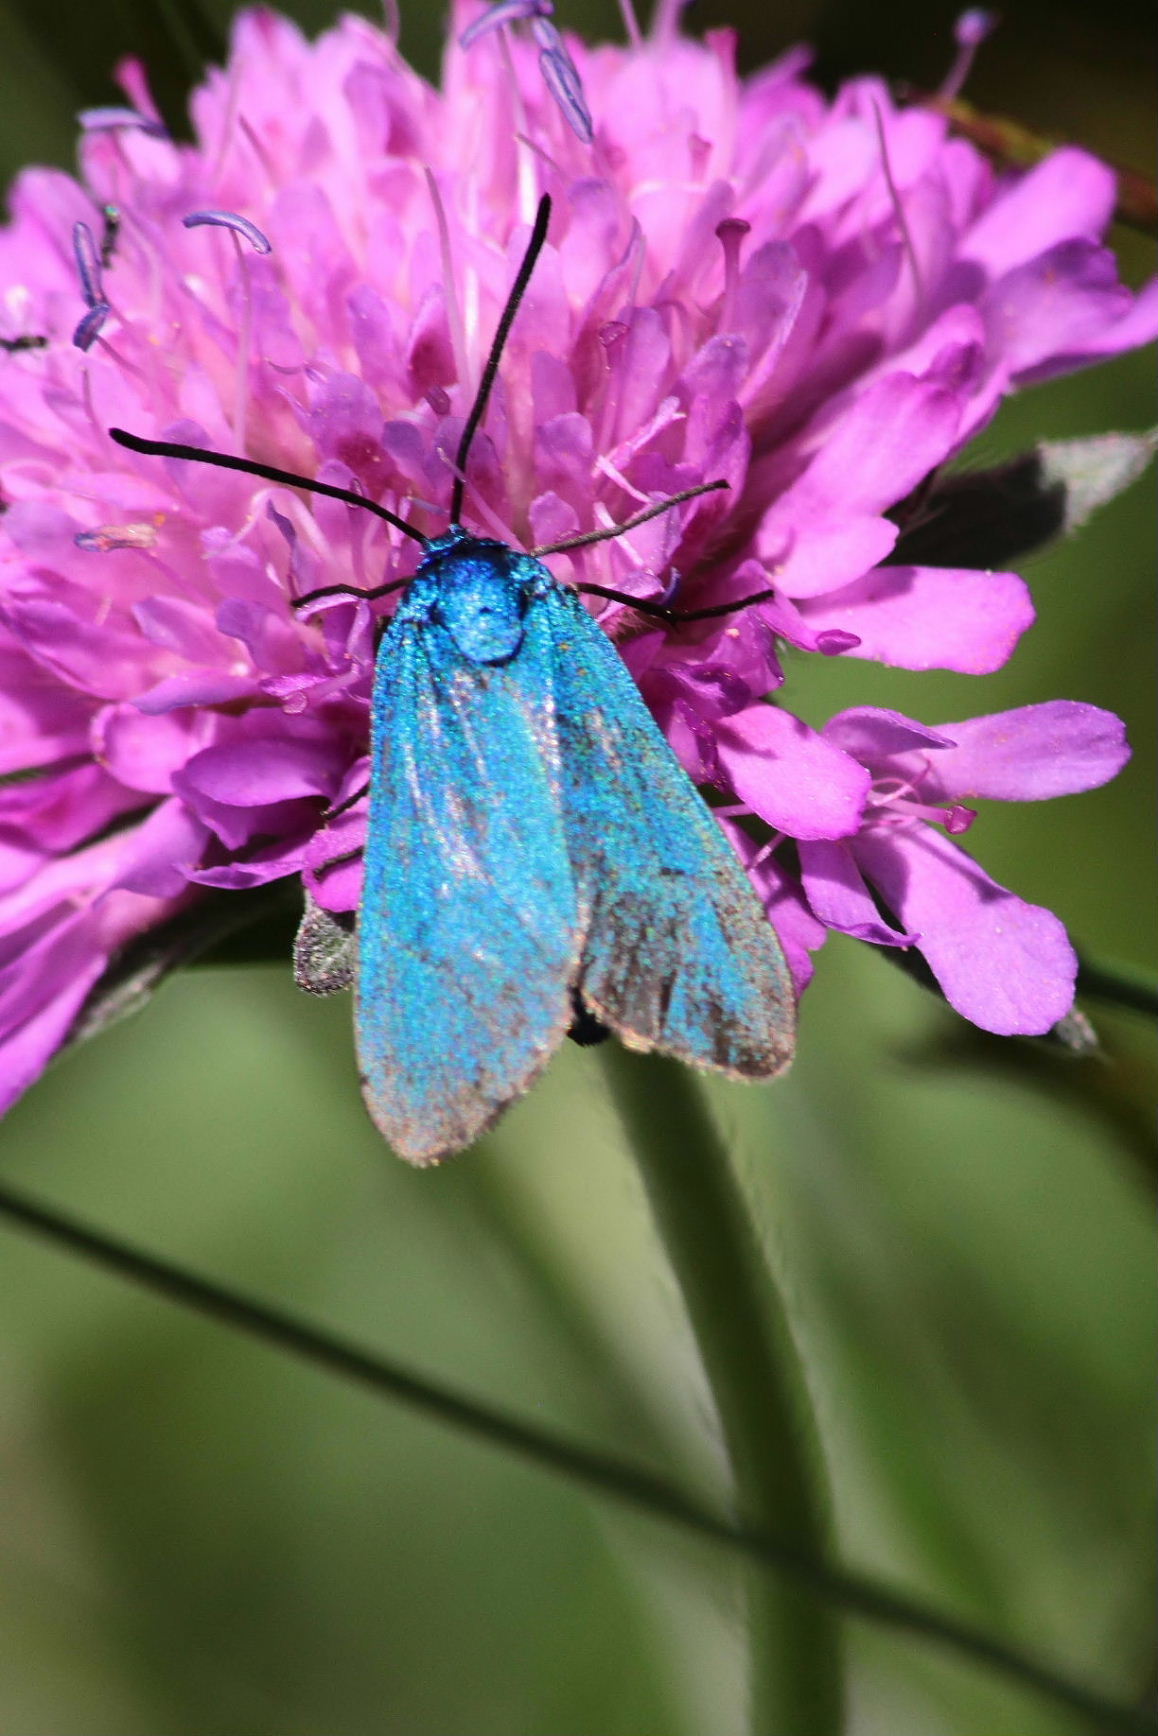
(990, 518)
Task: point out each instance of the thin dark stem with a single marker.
(614, 530)
(498, 344)
(852, 1592)
(1122, 985)
(268, 473)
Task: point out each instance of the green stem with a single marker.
(854, 1593)
(746, 1347)
(1123, 985)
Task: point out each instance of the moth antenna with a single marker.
(268, 472)
(365, 596)
(675, 617)
(598, 536)
(498, 344)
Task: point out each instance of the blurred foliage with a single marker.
(198, 1539)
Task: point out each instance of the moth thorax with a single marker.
(482, 607)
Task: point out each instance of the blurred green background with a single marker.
(198, 1538)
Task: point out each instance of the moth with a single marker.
(536, 861)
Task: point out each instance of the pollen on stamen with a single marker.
(109, 537)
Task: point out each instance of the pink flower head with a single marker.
(817, 302)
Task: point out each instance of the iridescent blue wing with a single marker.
(468, 931)
(678, 953)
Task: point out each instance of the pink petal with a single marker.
(1028, 755)
(929, 617)
(1006, 965)
(40, 720)
(258, 773)
(195, 687)
(884, 443)
(838, 895)
(1054, 312)
(1070, 193)
(163, 852)
(871, 734)
(144, 752)
(65, 974)
(826, 528)
(791, 776)
(336, 886)
(108, 664)
(271, 864)
(819, 558)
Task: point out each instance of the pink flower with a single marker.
(1005, 964)
(819, 302)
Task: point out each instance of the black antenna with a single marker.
(613, 530)
(498, 344)
(270, 473)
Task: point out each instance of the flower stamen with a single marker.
(899, 798)
(89, 328)
(898, 208)
(730, 234)
(631, 24)
(450, 288)
(109, 118)
(238, 227)
(88, 264)
(969, 32)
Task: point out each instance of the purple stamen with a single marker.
(230, 220)
(562, 80)
(504, 12)
(89, 329)
(974, 26)
(897, 800)
(560, 73)
(730, 233)
(834, 641)
(969, 32)
(88, 263)
(104, 120)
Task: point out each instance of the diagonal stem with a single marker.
(753, 1368)
(1122, 985)
(855, 1593)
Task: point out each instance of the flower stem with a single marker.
(752, 1366)
(855, 1593)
